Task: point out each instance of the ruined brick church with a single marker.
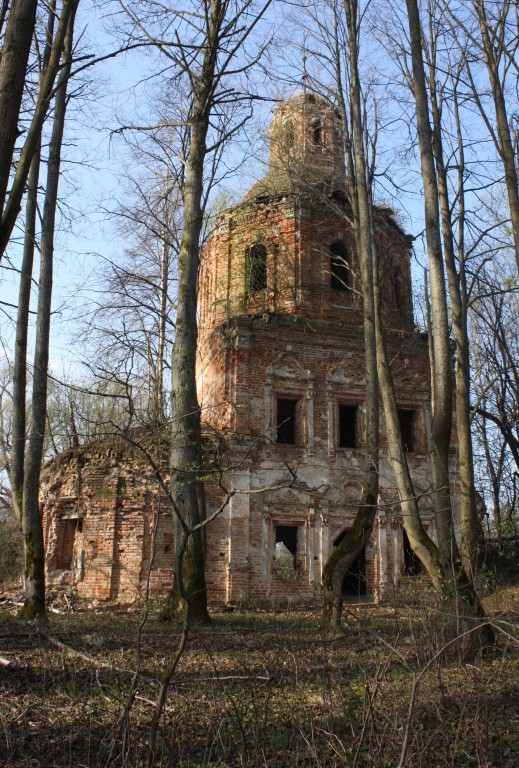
(280, 374)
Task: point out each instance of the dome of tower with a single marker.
(306, 149)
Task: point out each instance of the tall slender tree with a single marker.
(13, 74)
(459, 585)
(27, 456)
(360, 199)
(207, 53)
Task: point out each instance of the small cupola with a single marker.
(306, 148)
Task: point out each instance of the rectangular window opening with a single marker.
(348, 426)
(286, 551)
(406, 419)
(287, 535)
(286, 421)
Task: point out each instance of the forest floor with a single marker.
(260, 689)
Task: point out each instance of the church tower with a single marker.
(281, 386)
(281, 369)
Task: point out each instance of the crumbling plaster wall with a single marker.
(322, 366)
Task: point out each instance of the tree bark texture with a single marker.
(442, 373)
(461, 595)
(34, 571)
(185, 456)
(19, 427)
(456, 279)
(421, 543)
(11, 206)
(357, 537)
(13, 68)
(493, 54)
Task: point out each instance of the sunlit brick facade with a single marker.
(280, 375)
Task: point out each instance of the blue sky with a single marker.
(96, 157)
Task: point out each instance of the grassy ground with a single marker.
(260, 689)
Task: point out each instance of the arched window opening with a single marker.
(317, 131)
(340, 273)
(256, 268)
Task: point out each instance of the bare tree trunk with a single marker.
(442, 374)
(34, 572)
(22, 320)
(470, 529)
(185, 457)
(158, 396)
(460, 586)
(357, 537)
(13, 68)
(18, 455)
(494, 53)
(11, 208)
(19, 428)
(421, 543)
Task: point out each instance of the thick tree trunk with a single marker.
(34, 571)
(421, 543)
(185, 456)
(442, 374)
(13, 68)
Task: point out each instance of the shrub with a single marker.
(11, 547)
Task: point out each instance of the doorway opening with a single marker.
(68, 528)
(354, 582)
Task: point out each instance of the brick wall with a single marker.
(298, 339)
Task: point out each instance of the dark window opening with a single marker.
(286, 421)
(340, 274)
(412, 563)
(354, 582)
(317, 132)
(256, 268)
(339, 195)
(287, 535)
(406, 419)
(347, 426)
